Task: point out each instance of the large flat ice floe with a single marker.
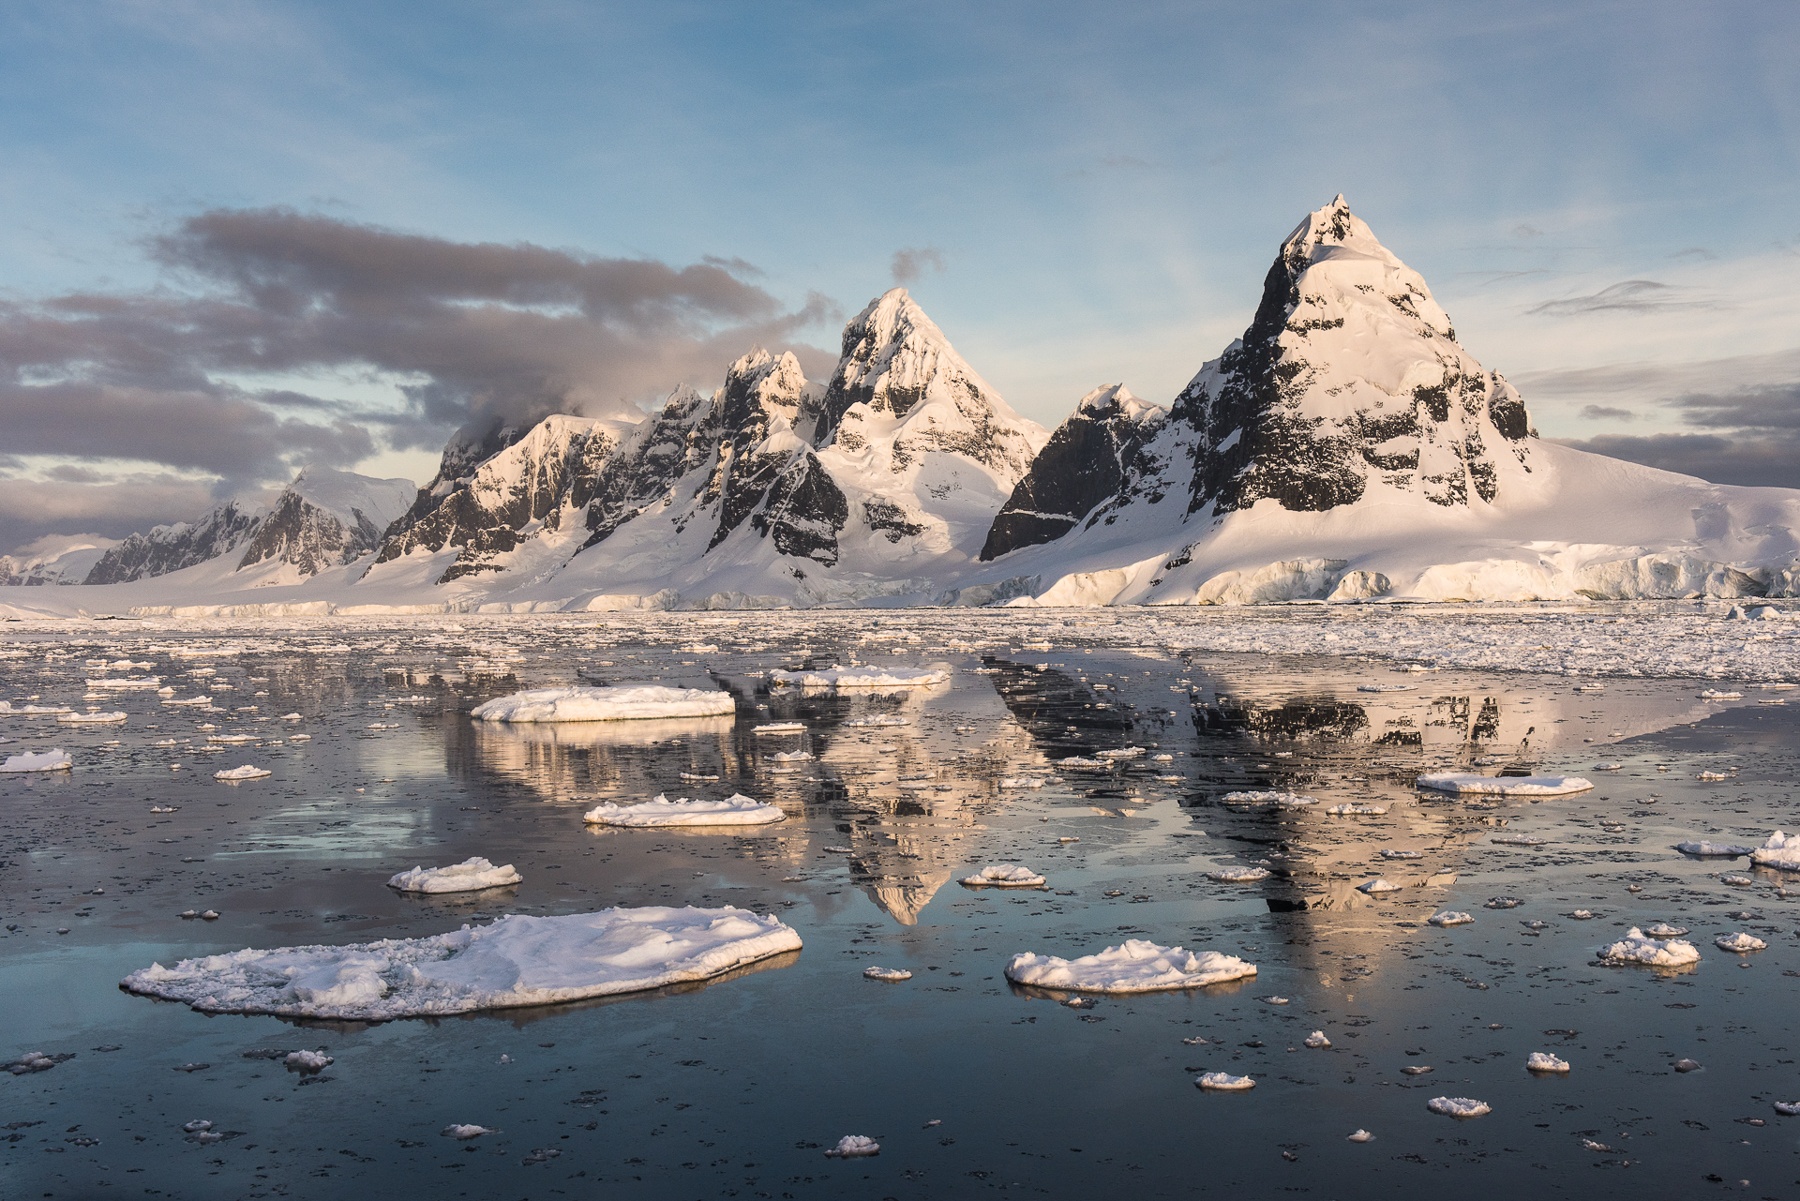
(858, 677)
(618, 703)
(31, 761)
(519, 960)
(734, 810)
(1504, 785)
(471, 875)
(1137, 965)
(1638, 947)
(1782, 851)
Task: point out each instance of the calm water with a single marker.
(735, 1088)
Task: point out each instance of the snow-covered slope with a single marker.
(1348, 447)
(54, 559)
(170, 548)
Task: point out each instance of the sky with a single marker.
(237, 239)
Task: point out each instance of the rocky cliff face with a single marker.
(169, 548)
(326, 519)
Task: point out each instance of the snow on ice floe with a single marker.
(1740, 942)
(1543, 1061)
(1378, 884)
(890, 975)
(734, 810)
(1224, 1082)
(91, 719)
(780, 727)
(33, 761)
(1279, 799)
(248, 771)
(1788, 1108)
(1356, 809)
(1664, 930)
(1317, 1041)
(1004, 875)
(516, 961)
(1638, 947)
(1504, 785)
(854, 1146)
(634, 702)
(1449, 917)
(1701, 848)
(1781, 850)
(1359, 1135)
(471, 875)
(1459, 1107)
(1238, 875)
(1134, 966)
(1022, 782)
(858, 677)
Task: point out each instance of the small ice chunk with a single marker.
(1317, 1040)
(1459, 1107)
(1740, 942)
(471, 875)
(1239, 875)
(1004, 875)
(1224, 1082)
(91, 719)
(1702, 848)
(1504, 785)
(458, 1130)
(1384, 687)
(1082, 761)
(1502, 903)
(1664, 930)
(1638, 947)
(1737, 879)
(1544, 1061)
(1788, 1108)
(1137, 965)
(1687, 1065)
(772, 728)
(1719, 694)
(1378, 885)
(1279, 799)
(1449, 917)
(307, 1061)
(248, 771)
(1360, 1135)
(1608, 766)
(1021, 781)
(196, 1126)
(619, 703)
(872, 678)
(1781, 850)
(891, 975)
(1516, 840)
(1400, 853)
(854, 1146)
(734, 810)
(1356, 809)
(35, 761)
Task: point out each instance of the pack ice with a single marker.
(617, 703)
(471, 875)
(1137, 965)
(516, 961)
(734, 810)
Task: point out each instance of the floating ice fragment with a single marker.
(91, 719)
(1788, 1108)
(1608, 766)
(1004, 875)
(471, 875)
(1356, 809)
(1740, 942)
(1737, 879)
(1384, 687)
(516, 961)
(892, 975)
(1224, 1082)
(1516, 840)
(458, 1130)
(1377, 885)
(248, 771)
(1582, 915)
(1281, 800)
(1449, 917)
(1400, 853)
(1543, 1061)
(1459, 1107)
(1502, 903)
(1703, 849)
(36, 761)
(1317, 1040)
(308, 1061)
(858, 677)
(1134, 966)
(1277, 1000)
(1638, 947)
(878, 719)
(1781, 850)
(1504, 785)
(618, 703)
(196, 1126)
(1360, 1136)
(1021, 782)
(1083, 762)
(854, 1146)
(734, 810)
(1687, 1065)
(1719, 694)
(780, 727)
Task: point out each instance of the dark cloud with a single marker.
(912, 262)
(33, 508)
(1771, 409)
(1606, 413)
(474, 332)
(1630, 296)
(1737, 459)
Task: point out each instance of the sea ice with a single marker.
(1004, 875)
(858, 677)
(1360, 1135)
(1459, 1107)
(1356, 809)
(248, 771)
(1281, 800)
(1239, 875)
(91, 719)
(854, 1146)
(1788, 1108)
(307, 1061)
(1664, 930)
(29, 761)
(1449, 917)
(1637, 947)
(1740, 942)
(734, 810)
(1378, 884)
(471, 875)
(780, 727)
(891, 975)
(459, 1130)
(1224, 1082)
(1504, 785)
(1317, 1040)
(1703, 849)
(1021, 782)
(618, 703)
(1782, 851)
(1543, 1061)
(516, 961)
(1502, 903)
(1134, 966)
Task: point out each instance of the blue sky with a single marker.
(1601, 195)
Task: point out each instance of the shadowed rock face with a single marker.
(298, 533)
(172, 547)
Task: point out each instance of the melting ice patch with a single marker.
(30, 761)
(518, 960)
(1224, 1082)
(471, 875)
(1004, 875)
(1137, 965)
(1782, 851)
(734, 810)
(1504, 785)
(620, 703)
(1544, 1061)
(1740, 942)
(248, 771)
(1638, 947)
(1459, 1107)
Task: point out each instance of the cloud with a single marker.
(473, 332)
(1770, 408)
(1606, 413)
(911, 263)
(1630, 296)
(1722, 459)
(32, 509)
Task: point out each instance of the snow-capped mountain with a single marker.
(1349, 447)
(323, 519)
(54, 559)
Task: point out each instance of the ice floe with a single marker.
(1638, 947)
(1021, 781)
(1664, 930)
(1544, 1061)
(1356, 809)
(1449, 917)
(1004, 875)
(1317, 1041)
(471, 875)
(464, 1131)
(91, 719)
(891, 975)
(1239, 875)
(516, 961)
(1224, 1082)
(1504, 785)
(248, 771)
(1781, 850)
(1137, 965)
(1459, 1107)
(32, 761)
(1740, 942)
(769, 729)
(734, 810)
(858, 677)
(1359, 1135)
(854, 1146)
(1377, 885)
(307, 1061)
(636, 702)
(1701, 848)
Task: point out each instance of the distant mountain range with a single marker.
(1346, 448)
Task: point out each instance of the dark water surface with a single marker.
(734, 1089)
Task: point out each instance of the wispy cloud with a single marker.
(1629, 296)
(1606, 413)
(912, 262)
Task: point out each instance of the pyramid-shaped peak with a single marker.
(1116, 400)
(1330, 232)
